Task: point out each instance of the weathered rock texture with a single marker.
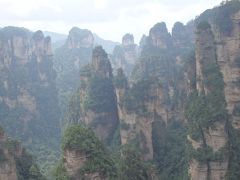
(227, 51)
(159, 36)
(68, 59)
(8, 169)
(215, 47)
(28, 99)
(98, 105)
(74, 161)
(13, 160)
(154, 95)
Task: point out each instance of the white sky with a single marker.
(110, 19)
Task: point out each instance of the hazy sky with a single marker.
(110, 19)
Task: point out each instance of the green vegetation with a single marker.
(170, 150)
(80, 138)
(34, 82)
(132, 167)
(203, 25)
(69, 63)
(100, 95)
(60, 172)
(221, 15)
(203, 111)
(73, 113)
(120, 81)
(26, 168)
(206, 154)
(123, 163)
(136, 97)
(234, 155)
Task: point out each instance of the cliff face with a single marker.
(227, 50)
(209, 85)
(79, 38)
(98, 106)
(159, 36)
(29, 106)
(154, 95)
(8, 168)
(12, 165)
(216, 47)
(181, 35)
(68, 59)
(84, 156)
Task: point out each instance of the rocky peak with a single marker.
(15, 39)
(159, 36)
(100, 62)
(38, 36)
(179, 35)
(41, 45)
(127, 39)
(78, 38)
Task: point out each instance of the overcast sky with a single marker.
(110, 19)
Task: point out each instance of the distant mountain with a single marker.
(55, 36)
(59, 39)
(107, 45)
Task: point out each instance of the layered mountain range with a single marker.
(167, 108)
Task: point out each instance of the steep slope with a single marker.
(28, 99)
(96, 99)
(75, 53)
(214, 109)
(84, 156)
(154, 102)
(125, 55)
(206, 113)
(15, 162)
